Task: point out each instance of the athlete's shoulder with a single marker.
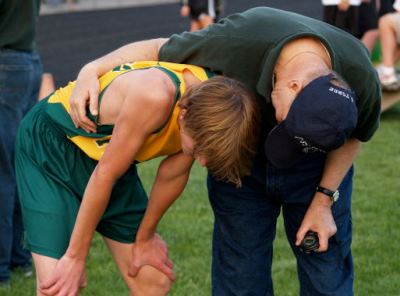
(149, 86)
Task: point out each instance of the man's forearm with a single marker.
(136, 51)
(319, 216)
(338, 163)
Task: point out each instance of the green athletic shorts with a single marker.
(52, 174)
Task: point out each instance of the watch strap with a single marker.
(332, 194)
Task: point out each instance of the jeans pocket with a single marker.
(15, 85)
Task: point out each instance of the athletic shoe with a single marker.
(389, 81)
(25, 270)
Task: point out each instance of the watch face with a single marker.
(335, 195)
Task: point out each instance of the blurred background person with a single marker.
(389, 34)
(370, 12)
(202, 13)
(343, 14)
(368, 23)
(20, 75)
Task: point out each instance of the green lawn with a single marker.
(188, 227)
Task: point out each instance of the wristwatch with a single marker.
(333, 195)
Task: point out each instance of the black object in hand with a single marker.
(310, 242)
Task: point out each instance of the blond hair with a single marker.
(223, 120)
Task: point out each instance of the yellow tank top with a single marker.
(165, 141)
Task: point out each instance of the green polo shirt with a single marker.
(246, 46)
(18, 24)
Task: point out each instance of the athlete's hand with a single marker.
(67, 279)
(85, 93)
(319, 219)
(152, 252)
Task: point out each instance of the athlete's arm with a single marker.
(87, 86)
(318, 217)
(171, 179)
(145, 108)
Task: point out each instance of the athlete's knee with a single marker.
(385, 21)
(151, 282)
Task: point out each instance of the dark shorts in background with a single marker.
(199, 7)
(368, 17)
(346, 20)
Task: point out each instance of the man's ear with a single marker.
(295, 86)
(182, 113)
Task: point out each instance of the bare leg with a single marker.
(369, 39)
(47, 86)
(388, 40)
(148, 282)
(44, 267)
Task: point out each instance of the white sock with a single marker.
(387, 70)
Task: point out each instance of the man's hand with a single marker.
(319, 219)
(185, 10)
(67, 279)
(85, 93)
(152, 252)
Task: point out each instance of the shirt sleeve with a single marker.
(231, 47)
(369, 110)
(205, 48)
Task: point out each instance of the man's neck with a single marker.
(297, 51)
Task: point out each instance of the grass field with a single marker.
(187, 228)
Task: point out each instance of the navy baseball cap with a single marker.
(320, 119)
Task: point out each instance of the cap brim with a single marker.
(281, 149)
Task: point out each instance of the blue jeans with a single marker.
(245, 227)
(20, 76)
